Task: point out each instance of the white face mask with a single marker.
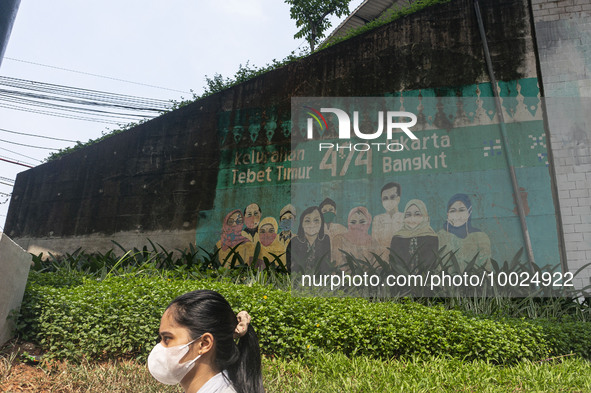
(164, 365)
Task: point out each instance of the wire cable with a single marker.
(6, 179)
(31, 146)
(37, 136)
(19, 94)
(95, 75)
(26, 84)
(66, 108)
(60, 115)
(76, 103)
(16, 162)
(19, 154)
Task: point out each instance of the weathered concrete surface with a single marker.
(14, 270)
(99, 243)
(160, 177)
(563, 33)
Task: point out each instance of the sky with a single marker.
(169, 45)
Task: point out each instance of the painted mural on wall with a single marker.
(446, 192)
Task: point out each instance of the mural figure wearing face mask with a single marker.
(232, 238)
(252, 217)
(287, 215)
(416, 244)
(387, 224)
(460, 237)
(270, 243)
(356, 240)
(309, 251)
(328, 207)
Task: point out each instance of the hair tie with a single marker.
(243, 321)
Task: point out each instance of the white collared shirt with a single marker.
(219, 383)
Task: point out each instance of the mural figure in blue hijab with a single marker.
(460, 237)
(287, 216)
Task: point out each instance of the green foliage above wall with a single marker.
(391, 15)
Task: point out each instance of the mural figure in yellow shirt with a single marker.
(270, 243)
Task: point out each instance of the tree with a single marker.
(311, 16)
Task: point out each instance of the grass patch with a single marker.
(323, 372)
(338, 373)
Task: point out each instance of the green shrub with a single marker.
(567, 337)
(57, 279)
(119, 317)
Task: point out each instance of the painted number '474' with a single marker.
(330, 161)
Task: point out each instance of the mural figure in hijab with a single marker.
(416, 243)
(309, 251)
(252, 217)
(387, 224)
(460, 237)
(232, 237)
(286, 217)
(328, 207)
(356, 240)
(270, 243)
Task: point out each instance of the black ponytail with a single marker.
(248, 365)
(207, 311)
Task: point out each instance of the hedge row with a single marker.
(119, 317)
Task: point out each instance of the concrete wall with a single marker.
(563, 33)
(166, 179)
(14, 270)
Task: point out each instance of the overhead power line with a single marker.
(77, 103)
(19, 154)
(36, 136)
(16, 162)
(16, 100)
(34, 147)
(95, 75)
(31, 98)
(78, 92)
(48, 113)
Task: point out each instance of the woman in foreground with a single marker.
(198, 348)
